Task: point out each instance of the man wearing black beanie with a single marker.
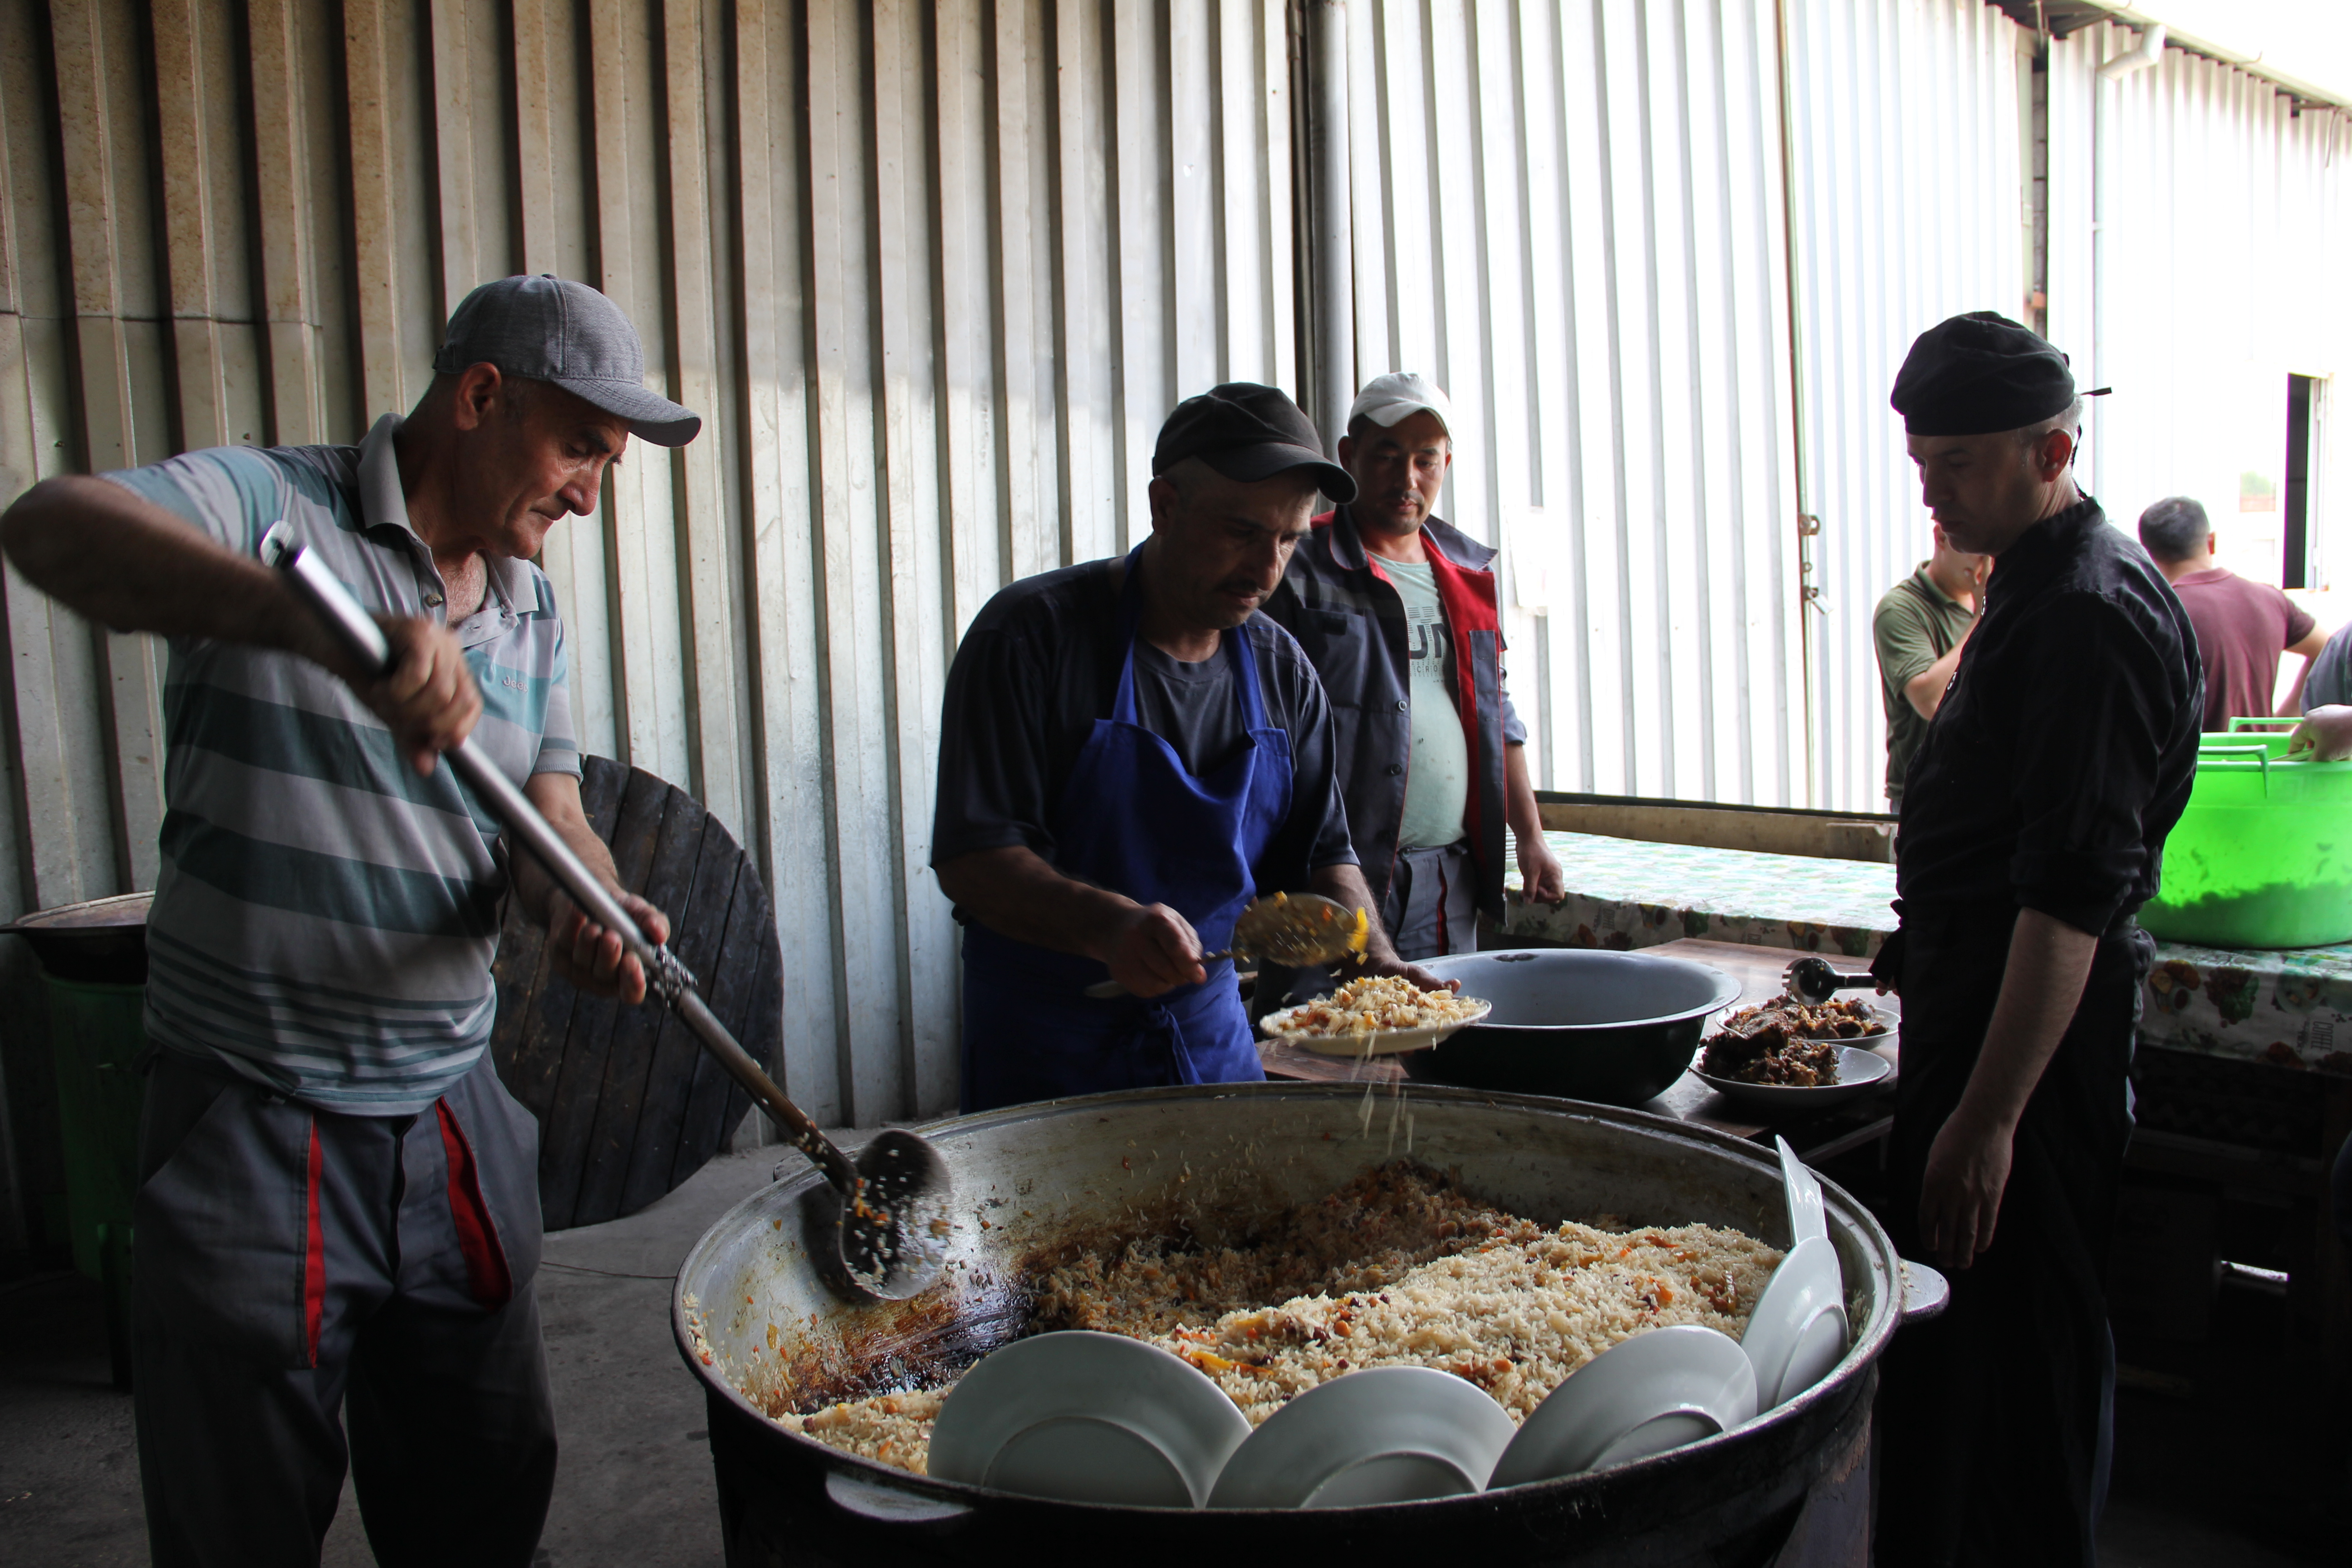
(2033, 820)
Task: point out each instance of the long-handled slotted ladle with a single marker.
(879, 1231)
(1294, 929)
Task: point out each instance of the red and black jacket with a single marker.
(1346, 612)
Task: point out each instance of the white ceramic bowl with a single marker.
(1081, 1416)
(1798, 1331)
(1387, 1434)
(1642, 1396)
(1860, 1073)
(1379, 1043)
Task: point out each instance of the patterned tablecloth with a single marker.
(1624, 893)
(2290, 1009)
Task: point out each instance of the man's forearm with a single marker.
(1520, 807)
(2041, 986)
(1014, 892)
(2292, 706)
(533, 883)
(1925, 691)
(129, 564)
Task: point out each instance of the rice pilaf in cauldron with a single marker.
(1399, 1267)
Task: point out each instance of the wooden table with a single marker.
(1759, 970)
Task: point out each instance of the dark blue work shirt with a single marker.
(2065, 747)
(1040, 664)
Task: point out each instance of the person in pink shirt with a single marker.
(2244, 627)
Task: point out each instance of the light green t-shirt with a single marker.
(1437, 791)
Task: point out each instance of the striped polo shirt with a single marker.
(324, 918)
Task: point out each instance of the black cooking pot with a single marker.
(1618, 1027)
(758, 1327)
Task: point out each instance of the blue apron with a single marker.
(1133, 819)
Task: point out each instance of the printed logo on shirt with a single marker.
(1429, 642)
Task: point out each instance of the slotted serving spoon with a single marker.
(1813, 981)
(878, 1230)
(1293, 928)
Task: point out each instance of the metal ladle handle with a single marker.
(364, 640)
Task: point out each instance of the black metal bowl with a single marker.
(1617, 1027)
(102, 941)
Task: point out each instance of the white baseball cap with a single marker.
(1389, 400)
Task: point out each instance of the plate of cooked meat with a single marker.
(1850, 1021)
(1787, 1055)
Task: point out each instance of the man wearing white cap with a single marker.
(338, 1211)
(1400, 615)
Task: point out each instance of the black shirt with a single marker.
(1041, 663)
(2064, 750)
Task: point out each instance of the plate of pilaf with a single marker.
(1378, 1015)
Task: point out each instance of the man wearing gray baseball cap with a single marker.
(338, 1215)
(1401, 616)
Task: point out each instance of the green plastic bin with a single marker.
(93, 960)
(96, 1033)
(2263, 856)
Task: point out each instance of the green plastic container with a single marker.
(2263, 856)
(96, 1032)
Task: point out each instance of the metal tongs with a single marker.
(1813, 981)
(878, 1233)
(1293, 928)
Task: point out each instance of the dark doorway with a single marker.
(2294, 564)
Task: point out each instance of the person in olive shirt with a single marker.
(1919, 628)
(2033, 825)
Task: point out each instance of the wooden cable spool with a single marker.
(628, 1104)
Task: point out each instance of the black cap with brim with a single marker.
(1247, 432)
(1250, 463)
(1980, 374)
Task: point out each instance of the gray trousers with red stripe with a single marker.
(1432, 908)
(290, 1263)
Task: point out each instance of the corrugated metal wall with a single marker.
(1569, 214)
(1576, 216)
(934, 272)
(1909, 206)
(2219, 269)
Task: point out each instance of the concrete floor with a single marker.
(634, 1484)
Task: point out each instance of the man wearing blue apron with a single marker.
(1130, 753)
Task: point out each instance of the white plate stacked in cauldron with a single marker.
(1082, 1417)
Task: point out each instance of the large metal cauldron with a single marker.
(1035, 1181)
